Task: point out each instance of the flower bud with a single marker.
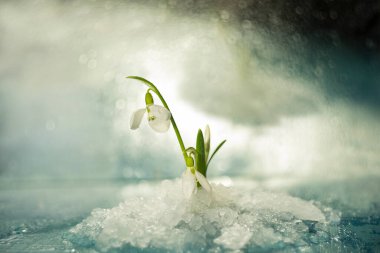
(148, 98)
(189, 162)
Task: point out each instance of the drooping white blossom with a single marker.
(189, 182)
(158, 118)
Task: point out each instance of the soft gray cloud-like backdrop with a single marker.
(65, 104)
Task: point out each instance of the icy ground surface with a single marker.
(157, 217)
(268, 216)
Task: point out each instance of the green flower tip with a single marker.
(189, 162)
(148, 99)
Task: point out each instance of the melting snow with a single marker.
(159, 217)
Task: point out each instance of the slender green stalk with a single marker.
(155, 90)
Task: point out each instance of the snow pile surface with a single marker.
(157, 217)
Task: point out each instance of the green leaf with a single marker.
(146, 82)
(216, 150)
(200, 157)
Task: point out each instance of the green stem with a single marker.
(177, 133)
(155, 90)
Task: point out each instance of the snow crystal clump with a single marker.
(158, 217)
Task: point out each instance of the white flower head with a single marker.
(189, 182)
(158, 118)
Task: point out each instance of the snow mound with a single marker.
(158, 218)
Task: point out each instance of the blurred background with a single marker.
(294, 87)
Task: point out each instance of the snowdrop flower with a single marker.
(158, 116)
(190, 178)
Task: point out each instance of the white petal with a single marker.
(159, 112)
(188, 183)
(159, 118)
(159, 125)
(207, 141)
(136, 118)
(203, 181)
